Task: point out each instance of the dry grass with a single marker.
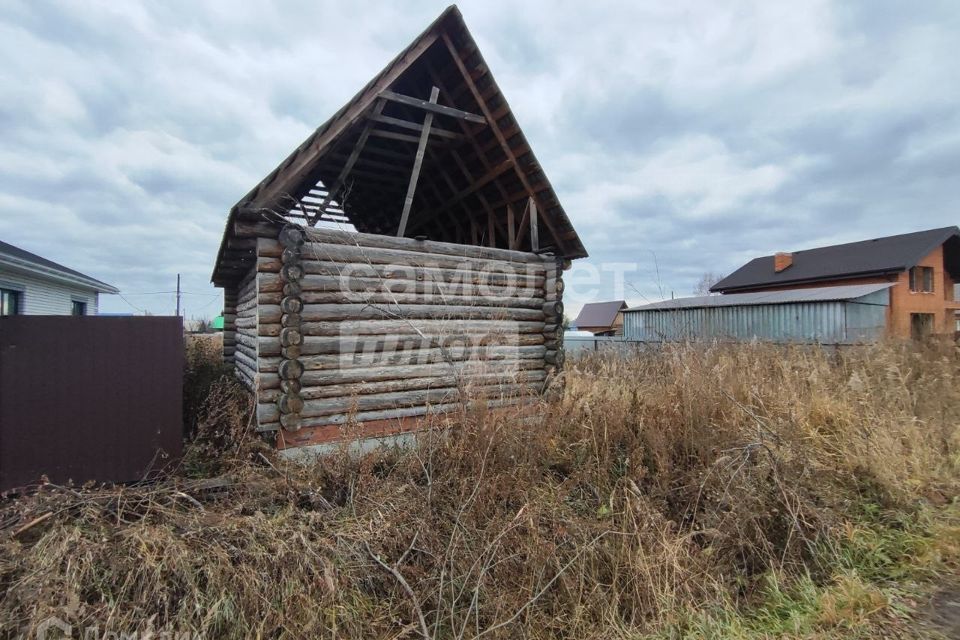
(725, 491)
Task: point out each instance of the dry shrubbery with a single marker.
(661, 493)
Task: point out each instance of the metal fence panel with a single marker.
(89, 398)
(833, 322)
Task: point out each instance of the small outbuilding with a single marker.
(846, 314)
(602, 318)
(405, 260)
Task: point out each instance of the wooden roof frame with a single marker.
(452, 203)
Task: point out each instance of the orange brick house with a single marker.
(923, 267)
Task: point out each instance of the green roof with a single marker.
(217, 323)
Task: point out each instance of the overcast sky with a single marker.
(682, 137)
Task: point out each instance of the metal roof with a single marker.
(890, 254)
(599, 314)
(24, 256)
(813, 294)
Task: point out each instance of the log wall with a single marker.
(334, 327)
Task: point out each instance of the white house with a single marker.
(31, 285)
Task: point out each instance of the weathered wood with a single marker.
(290, 369)
(290, 403)
(425, 273)
(431, 247)
(291, 305)
(391, 299)
(352, 159)
(362, 311)
(418, 397)
(318, 345)
(405, 384)
(553, 309)
(291, 236)
(431, 106)
(415, 126)
(438, 328)
(290, 421)
(401, 371)
(290, 337)
(242, 229)
(317, 284)
(343, 253)
(534, 225)
(438, 410)
(417, 162)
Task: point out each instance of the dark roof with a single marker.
(22, 254)
(474, 171)
(880, 256)
(787, 296)
(599, 314)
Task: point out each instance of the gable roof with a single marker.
(812, 294)
(477, 174)
(599, 314)
(23, 259)
(876, 257)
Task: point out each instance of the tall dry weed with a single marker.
(659, 482)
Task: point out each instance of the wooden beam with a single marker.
(491, 230)
(417, 162)
(496, 130)
(534, 228)
(284, 180)
(415, 126)
(511, 229)
(351, 160)
(432, 107)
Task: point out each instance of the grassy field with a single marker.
(699, 492)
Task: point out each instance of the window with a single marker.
(9, 302)
(921, 279)
(79, 308)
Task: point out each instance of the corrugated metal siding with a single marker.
(41, 297)
(825, 322)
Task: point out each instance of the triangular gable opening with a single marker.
(428, 148)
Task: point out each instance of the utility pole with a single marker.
(178, 294)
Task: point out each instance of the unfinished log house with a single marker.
(405, 259)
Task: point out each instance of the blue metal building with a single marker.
(827, 315)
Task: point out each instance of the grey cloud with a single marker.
(684, 137)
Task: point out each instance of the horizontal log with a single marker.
(373, 255)
(475, 330)
(242, 229)
(397, 372)
(381, 297)
(273, 286)
(336, 236)
(339, 356)
(361, 311)
(269, 412)
(386, 386)
(405, 412)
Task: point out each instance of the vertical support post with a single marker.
(511, 229)
(178, 295)
(534, 229)
(491, 230)
(415, 175)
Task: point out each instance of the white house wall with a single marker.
(40, 296)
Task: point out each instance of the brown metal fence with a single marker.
(89, 398)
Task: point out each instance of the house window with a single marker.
(10, 302)
(79, 308)
(921, 279)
